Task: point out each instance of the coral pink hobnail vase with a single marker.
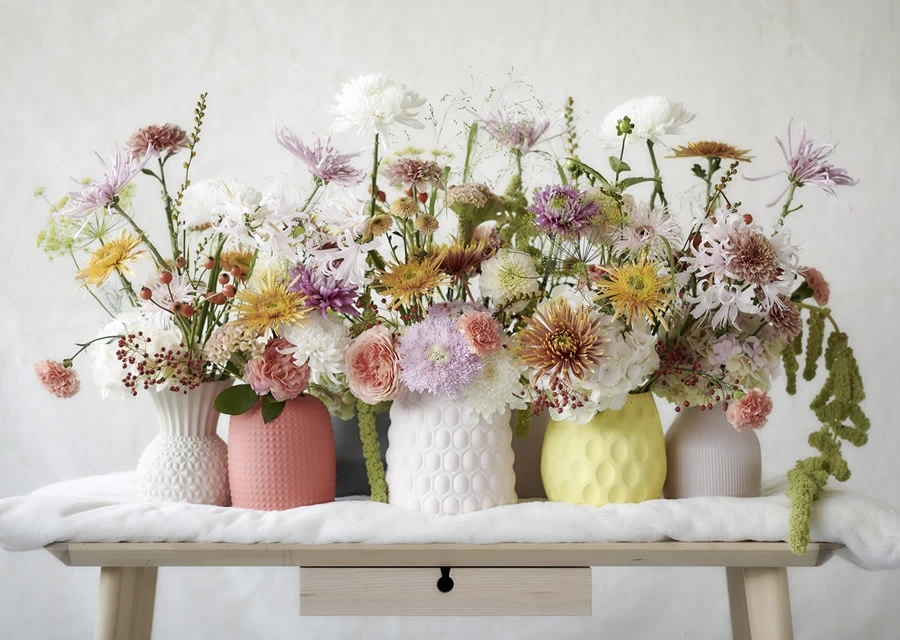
(287, 463)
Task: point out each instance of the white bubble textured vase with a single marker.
(440, 460)
(186, 461)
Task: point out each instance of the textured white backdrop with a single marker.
(78, 76)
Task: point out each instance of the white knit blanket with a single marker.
(104, 509)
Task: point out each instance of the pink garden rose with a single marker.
(373, 367)
(276, 372)
(57, 379)
(481, 331)
(751, 411)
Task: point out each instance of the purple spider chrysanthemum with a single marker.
(321, 159)
(435, 357)
(323, 291)
(100, 194)
(516, 132)
(563, 210)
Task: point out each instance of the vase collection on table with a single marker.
(460, 290)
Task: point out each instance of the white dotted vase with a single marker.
(440, 460)
(186, 461)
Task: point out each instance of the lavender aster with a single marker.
(808, 164)
(435, 357)
(323, 291)
(563, 210)
(516, 132)
(321, 159)
(100, 194)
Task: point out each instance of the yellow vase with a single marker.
(619, 456)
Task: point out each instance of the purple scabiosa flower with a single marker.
(435, 357)
(325, 292)
(516, 132)
(409, 172)
(100, 194)
(321, 159)
(563, 210)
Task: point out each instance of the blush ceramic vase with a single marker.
(709, 457)
(618, 456)
(439, 460)
(187, 461)
(286, 463)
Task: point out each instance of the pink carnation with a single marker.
(373, 366)
(481, 332)
(751, 411)
(276, 372)
(59, 380)
(818, 284)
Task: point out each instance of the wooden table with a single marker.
(446, 579)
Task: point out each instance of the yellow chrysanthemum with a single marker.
(109, 258)
(408, 281)
(710, 149)
(635, 290)
(269, 306)
(240, 257)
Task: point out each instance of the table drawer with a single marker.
(426, 591)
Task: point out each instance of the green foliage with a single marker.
(814, 343)
(523, 423)
(271, 408)
(372, 452)
(236, 400)
(837, 407)
(791, 366)
(619, 166)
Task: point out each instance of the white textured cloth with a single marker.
(104, 509)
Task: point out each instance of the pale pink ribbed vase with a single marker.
(709, 457)
(286, 463)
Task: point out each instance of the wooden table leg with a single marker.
(125, 606)
(737, 600)
(768, 602)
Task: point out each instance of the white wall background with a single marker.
(78, 76)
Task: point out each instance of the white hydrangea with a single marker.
(652, 116)
(496, 388)
(373, 103)
(320, 342)
(507, 275)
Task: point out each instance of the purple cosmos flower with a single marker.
(563, 210)
(435, 357)
(323, 291)
(100, 194)
(516, 132)
(321, 159)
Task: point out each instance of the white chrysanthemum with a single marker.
(652, 117)
(108, 371)
(629, 359)
(507, 275)
(204, 203)
(320, 342)
(649, 230)
(372, 103)
(497, 387)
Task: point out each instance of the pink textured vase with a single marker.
(708, 457)
(286, 463)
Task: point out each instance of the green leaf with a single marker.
(271, 408)
(562, 174)
(630, 182)
(236, 400)
(617, 165)
(803, 292)
(698, 171)
(588, 170)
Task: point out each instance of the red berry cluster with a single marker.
(183, 371)
(681, 363)
(558, 398)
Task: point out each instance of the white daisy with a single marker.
(372, 103)
(320, 342)
(507, 275)
(652, 117)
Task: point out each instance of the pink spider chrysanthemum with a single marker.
(100, 194)
(321, 159)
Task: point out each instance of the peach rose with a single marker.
(752, 411)
(276, 372)
(373, 367)
(57, 378)
(481, 331)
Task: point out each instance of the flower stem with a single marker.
(374, 178)
(786, 209)
(85, 345)
(160, 262)
(168, 202)
(824, 310)
(657, 185)
(88, 289)
(311, 196)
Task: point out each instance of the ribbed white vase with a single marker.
(441, 461)
(186, 461)
(708, 457)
